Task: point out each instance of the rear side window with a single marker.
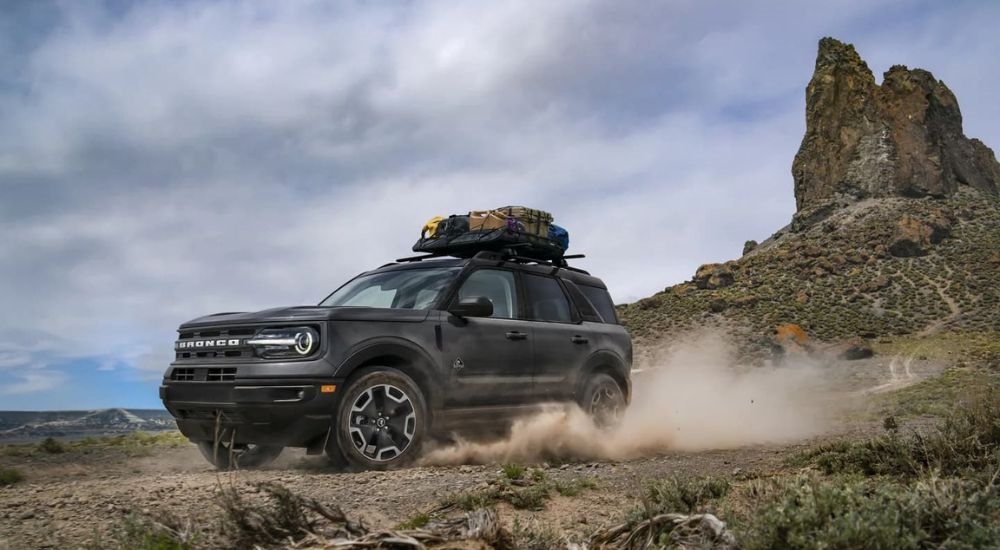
(587, 310)
(546, 300)
(602, 302)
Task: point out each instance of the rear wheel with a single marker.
(381, 421)
(603, 400)
(225, 456)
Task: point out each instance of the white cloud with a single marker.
(33, 381)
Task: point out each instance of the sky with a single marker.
(161, 160)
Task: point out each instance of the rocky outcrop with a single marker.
(914, 235)
(713, 276)
(903, 138)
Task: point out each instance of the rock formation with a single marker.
(903, 138)
(920, 253)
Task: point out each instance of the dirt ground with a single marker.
(68, 499)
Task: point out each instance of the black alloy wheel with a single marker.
(381, 420)
(604, 400)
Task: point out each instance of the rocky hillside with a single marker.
(897, 229)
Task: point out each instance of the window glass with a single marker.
(586, 309)
(602, 301)
(403, 289)
(497, 286)
(547, 302)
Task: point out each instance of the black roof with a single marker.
(575, 275)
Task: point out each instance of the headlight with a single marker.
(285, 342)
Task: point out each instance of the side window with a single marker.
(583, 305)
(546, 300)
(602, 302)
(495, 284)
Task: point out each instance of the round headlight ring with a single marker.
(304, 342)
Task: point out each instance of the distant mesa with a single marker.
(903, 138)
(26, 426)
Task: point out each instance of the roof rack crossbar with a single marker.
(507, 254)
(417, 258)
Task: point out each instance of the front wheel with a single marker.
(603, 400)
(381, 420)
(239, 455)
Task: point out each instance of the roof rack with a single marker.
(508, 254)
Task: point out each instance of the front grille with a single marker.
(226, 374)
(221, 375)
(183, 375)
(233, 350)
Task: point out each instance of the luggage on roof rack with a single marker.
(521, 231)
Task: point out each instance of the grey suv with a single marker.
(414, 350)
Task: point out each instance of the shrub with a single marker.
(138, 533)
(51, 446)
(967, 443)
(860, 514)
(681, 495)
(574, 487)
(472, 500)
(282, 516)
(10, 476)
(418, 521)
(530, 538)
(527, 492)
(513, 471)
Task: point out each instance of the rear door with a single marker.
(489, 358)
(562, 342)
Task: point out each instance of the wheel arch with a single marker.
(401, 355)
(609, 363)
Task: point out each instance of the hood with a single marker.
(309, 313)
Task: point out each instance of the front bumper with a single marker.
(285, 412)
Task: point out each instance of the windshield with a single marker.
(403, 289)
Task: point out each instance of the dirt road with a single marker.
(69, 499)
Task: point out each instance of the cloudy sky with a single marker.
(162, 160)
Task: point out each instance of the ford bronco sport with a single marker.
(413, 350)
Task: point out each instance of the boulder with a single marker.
(713, 276)
(852, 349)
(749, 246)
(913, 236)
(875, 285)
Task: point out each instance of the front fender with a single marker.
(400, 353)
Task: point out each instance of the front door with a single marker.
(489, 357)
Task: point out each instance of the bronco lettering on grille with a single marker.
(213, 343)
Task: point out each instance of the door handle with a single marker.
(515, 335)
(577, 339)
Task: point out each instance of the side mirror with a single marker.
(479, 306)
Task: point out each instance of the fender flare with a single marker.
(402, 354)
(610, 362)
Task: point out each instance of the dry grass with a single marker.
(131, 444)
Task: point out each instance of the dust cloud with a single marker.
(693, 395)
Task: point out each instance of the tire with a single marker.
(240, 456)
(604, 400)
(381, 421)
